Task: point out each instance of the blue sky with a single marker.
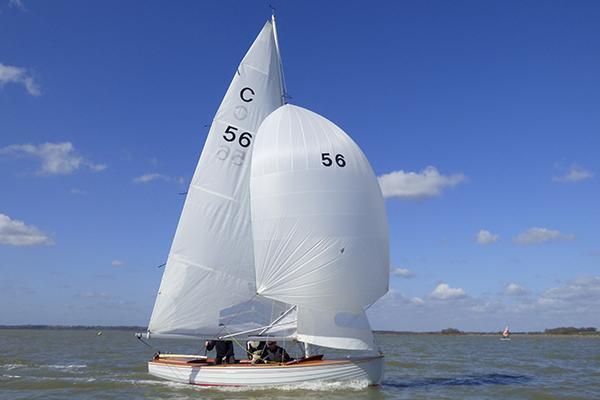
(481, 119)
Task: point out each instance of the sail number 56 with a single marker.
(231, 133)
(327, 161)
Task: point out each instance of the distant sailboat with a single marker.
(291, 246)
(505, 334)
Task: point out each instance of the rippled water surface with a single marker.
(81, 365)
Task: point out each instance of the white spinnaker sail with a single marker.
(319, 227)
(208, 287)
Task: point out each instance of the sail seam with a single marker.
(265, 73)
(184, 260)
(195, 186)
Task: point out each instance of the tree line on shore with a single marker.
(551, 331)
(569, 330)
(562, 330)
(78, 327)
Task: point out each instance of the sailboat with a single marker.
(283, 236)
(505, 334)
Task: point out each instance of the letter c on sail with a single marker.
(245, 97)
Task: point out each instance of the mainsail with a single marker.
(208, 287)
(319, 227)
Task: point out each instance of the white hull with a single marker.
(369, 369)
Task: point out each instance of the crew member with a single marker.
(224, 350)
(275, 353)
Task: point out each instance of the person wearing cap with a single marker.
(274, 353)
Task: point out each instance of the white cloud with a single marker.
(574, 303)
(154, 176)
(96, 300)
(403, 273)
(11, 74)
(17, 4)
(150, 177)
(486, 237)
(95, 295)
(417, 185)
(574, 174)
(579, 292)
(16, 233)
(541, 235)
(95, 167)
(116, 263)
(445, 292)
(513, 289)
(393, 299)
(417, 301)
(56, 158)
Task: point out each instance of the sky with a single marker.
(480, 118)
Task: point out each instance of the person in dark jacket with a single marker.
(224, 350)
(274, 353)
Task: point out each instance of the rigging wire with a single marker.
(237, 342)
(139, 336)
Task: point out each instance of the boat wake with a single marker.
(319, 386)
(137, 382)
(470, 380)
(10, 367)
(6, 376)
(65, 367)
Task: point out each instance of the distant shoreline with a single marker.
(78, 327)
(135, 328)
(393, 333)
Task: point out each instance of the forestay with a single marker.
(208, 287)
(319, 227)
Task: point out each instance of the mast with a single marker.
(284, 95)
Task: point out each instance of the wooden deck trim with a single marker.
(183, 363)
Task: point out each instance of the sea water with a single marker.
(80, 364)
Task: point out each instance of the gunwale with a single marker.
(209, 364)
